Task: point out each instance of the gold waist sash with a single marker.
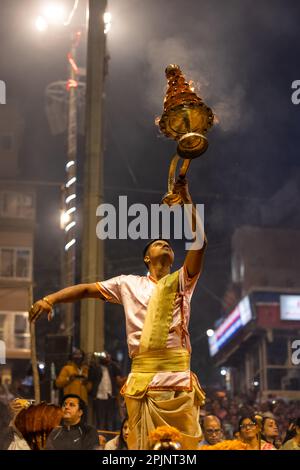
(147, 364)
(161, 360)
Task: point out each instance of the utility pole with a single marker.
(92, 310)
(34, 362)
(69, 192)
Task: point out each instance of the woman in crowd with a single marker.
(249, 434)
(120, 441)
(10, 436)
(269, 431)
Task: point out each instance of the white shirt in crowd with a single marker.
(105, 387)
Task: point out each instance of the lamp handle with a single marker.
(170, 197)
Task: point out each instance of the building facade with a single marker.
(258, 345)
(17, 225)
(257, 341)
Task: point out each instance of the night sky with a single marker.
(243, 57)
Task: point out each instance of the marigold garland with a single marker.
(163, 433)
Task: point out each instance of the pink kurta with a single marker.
(134, 292)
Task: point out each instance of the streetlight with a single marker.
(54, 12)
(107, 17)
(64, 219)
(70, 243)
(226, 373)
(210, 332)
(41, 24)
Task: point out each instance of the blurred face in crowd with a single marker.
(125, 431)
(264, 407)
(71, 411)
(105, 359)
(216, 405)
(270, 429)
(212, 429)
(77, 357)
(225, 402)
(102, 441)
(248, 429)
(278, 408)
(233, 410)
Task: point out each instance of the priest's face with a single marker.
(160, 250)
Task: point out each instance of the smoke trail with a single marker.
(213, 84)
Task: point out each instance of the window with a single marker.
(2, 332)
(14, 330)
(7, 262)
(16, 205)
(21, 336)
(15, 263)
(283, 379)
(22, 264)
(277, 351)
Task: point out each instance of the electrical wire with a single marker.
(75, 6)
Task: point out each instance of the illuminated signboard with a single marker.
(290, 307)
(240, 316)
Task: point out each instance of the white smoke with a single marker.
(213, 80)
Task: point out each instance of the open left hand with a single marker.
(38, 308)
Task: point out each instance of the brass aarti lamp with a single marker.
(186, 119)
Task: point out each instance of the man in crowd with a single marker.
(105, 376)
(294, 442)
(212, 430)
(73, 377)
(73, 434)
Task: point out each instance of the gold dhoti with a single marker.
(158, 408)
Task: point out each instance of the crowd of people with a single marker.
(230, 410)
(90, 391)
(227, 422)
(96, 379)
